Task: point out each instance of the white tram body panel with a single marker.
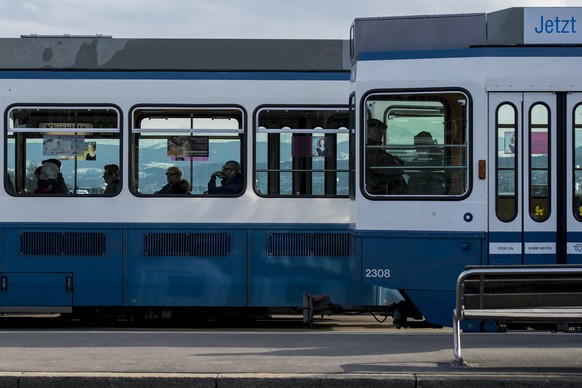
(427, 215)
(126, 208)
(509, 191)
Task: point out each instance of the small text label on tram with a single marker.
(377, 273)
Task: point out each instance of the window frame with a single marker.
(465, 148)
(181, 109)
(9, 128)
(341, 109)
(516, 157)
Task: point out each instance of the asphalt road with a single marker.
(332, 348)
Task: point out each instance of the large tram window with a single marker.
(302, 151)
(416, 145)
(539, 162)
(577, 186)
(506, 162)
(75, 143)
(193, 142)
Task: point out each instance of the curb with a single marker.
(178, 380)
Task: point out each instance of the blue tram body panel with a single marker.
(185, 266)
(424, 265)
(418, 260)
(316, 259)
(90, 256)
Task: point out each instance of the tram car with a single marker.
(483, 115)
(115, 159)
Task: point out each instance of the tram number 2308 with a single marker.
(377, 273)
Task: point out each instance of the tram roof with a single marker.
(104, 53)
(518, 26)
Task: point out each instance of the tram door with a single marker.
(527, 201)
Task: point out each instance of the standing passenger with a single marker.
(382, 173)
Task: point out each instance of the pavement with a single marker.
(335, 352)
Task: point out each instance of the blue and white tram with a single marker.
(499, 179)
(146, 106)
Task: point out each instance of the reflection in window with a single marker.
(539, 162)
(416, 144)
(577, 186)
(175, 151)
(506, 162)
(61, 151)
(302, 152)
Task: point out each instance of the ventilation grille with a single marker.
(186, 244)
(309, 244)
(63, 244)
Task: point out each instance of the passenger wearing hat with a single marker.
(61, 184)
(47, 179)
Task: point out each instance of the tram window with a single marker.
(193, 142)
(506, 162)
(415, 145)
(577, 186)
(74, 142)
(539, 162)
(302, 152)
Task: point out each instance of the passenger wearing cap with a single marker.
(62, 185)
(383, 175)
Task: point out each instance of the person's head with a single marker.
(174, 174)
(321, 142)
(231, 168)
(110, 173)
(92, 146)
(49, 171)
(376, 130)
(423, 138)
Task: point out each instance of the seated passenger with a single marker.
(63, 188)
(176, 184)
(112, 179)
(382, 176)
(426, 153)
(231, 180)
(48, 179)
(428, 158)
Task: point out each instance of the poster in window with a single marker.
(188, 148)
(90, 152)
(321, 147)
(63, 145)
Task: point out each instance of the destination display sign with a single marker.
(552, 25)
